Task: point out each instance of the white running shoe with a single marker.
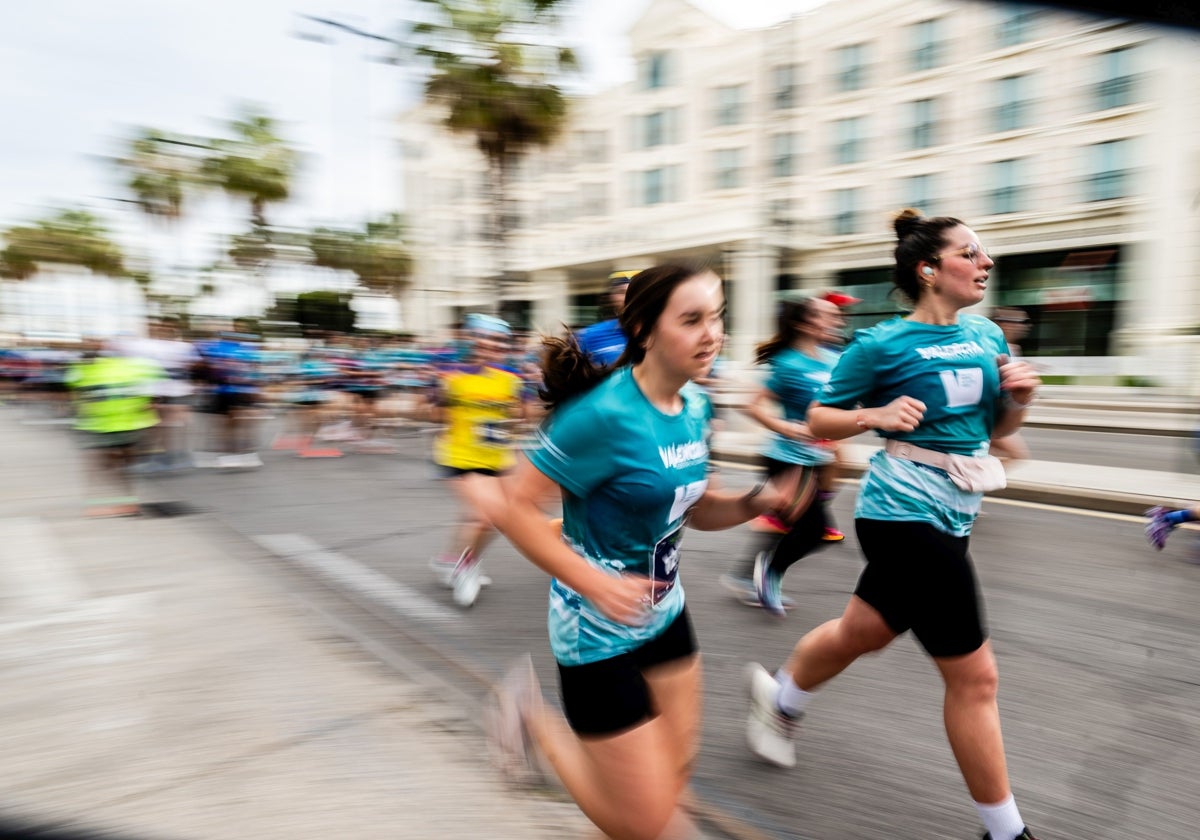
(467, 580)
(743, 589)
(770, 733)
(510, 745)
(443, 566)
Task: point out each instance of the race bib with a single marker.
(664, 569)
(492, 434)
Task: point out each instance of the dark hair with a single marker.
(792, 313)
(566, 369)
(920, 240)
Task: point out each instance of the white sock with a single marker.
(1002, 820)
(792, 699)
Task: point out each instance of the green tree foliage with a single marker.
(70, 237)
(376, 255)
(495, 73)
(160, 169)
(254, 164)
(325, 311)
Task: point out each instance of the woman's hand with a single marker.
(902, 414)
(800, 431)
(1018, 379)
(625, 598)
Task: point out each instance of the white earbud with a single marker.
(927, 271)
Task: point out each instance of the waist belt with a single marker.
(972, 473)
(919, 454)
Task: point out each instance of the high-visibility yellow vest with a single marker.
(113, 394)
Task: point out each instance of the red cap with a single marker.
(840, 299)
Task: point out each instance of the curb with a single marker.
(1083, 498)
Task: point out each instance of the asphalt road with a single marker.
(1096, 635)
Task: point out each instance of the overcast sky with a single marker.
(80, 74)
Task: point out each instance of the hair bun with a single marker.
(906, 222)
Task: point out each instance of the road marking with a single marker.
(1098, 514)
(350, 574)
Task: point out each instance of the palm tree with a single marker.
(255, 164)
(160, 170)
(493, 74)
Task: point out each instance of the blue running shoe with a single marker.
(1157, 526)
(767, 585)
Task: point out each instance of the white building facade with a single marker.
(1071, 144)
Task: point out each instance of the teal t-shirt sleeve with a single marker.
(572, 449)
(853, 377)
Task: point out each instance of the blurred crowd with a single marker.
(169, 401)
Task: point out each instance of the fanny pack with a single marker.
(972, 473)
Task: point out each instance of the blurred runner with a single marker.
(931, 385)
(829, 474)
(113, 401)
(168, 447)
(799, 367)
(229, 366)
(626, 447)
(478, 402)
(604, 342)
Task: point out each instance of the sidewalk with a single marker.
(1111, 489)
(158, 687)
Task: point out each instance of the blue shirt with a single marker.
(603, 342)
(796, 379)
(953, 370)
(629, 475)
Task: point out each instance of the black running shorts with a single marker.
(606, 697)
(922, 579)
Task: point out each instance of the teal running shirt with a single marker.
(629, 474)
(796, 379)
(953, 370)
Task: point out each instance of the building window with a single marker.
(851, 64)
(592, 146)
(728, 168)
(658, 129)
(1117, 85)
(730, 104)
(1016, 24)
(1008, 192)
(1108, 174)
(1013, 107)
(919, 192)
(593, 200)
(922, 124)
(654, 69)
(849, 140)
(655, 186)
(653, 130)
(927, 45)
(785, 86)
(783, 155)
(846, 211)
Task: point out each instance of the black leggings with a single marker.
(806, 533)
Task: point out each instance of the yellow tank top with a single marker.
(477, 405)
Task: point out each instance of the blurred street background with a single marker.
(288, 208)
